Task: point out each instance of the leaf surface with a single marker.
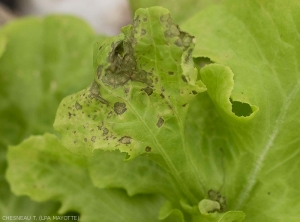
(144, 80)
(52, 172)
(42, 61)
(255, 90)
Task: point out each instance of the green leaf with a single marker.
(42, 61)
(260, 153)
(141, 175)
(11, 205)
(144, 80)
(53, 173)
(45, 60)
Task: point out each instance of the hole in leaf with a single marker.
(200, 62)
(241, 109)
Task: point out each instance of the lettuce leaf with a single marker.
(146, 124)
(52, 172)
(144, 79)
(42, 61)
(259, 42)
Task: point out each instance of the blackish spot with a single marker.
(184, 105)
(160, 122)
(184, 79)
(216, 196)
(162, 96)
(147, 90)
(74, 132)
(119, 108)
(171, 73)
(105, 131)
(148, 149)
(125, 140)
(194, 92)
(85, 139)
(70, 115)
(99, 127)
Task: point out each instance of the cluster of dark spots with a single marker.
(160, 122)
(171, 73)
(166, 19)
(147, 90)
(123, 66)
(125, 140)
(93, 139)
(119, 108)
(216, 196)
(184, 40)
(70, 115)
(148, 149)
(85, 139)
(99, 127)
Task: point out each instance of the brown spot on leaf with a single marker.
(105, 131)
(119, 108)
(148, 149)
(125, 140)
(160, 122)
(147, 90)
